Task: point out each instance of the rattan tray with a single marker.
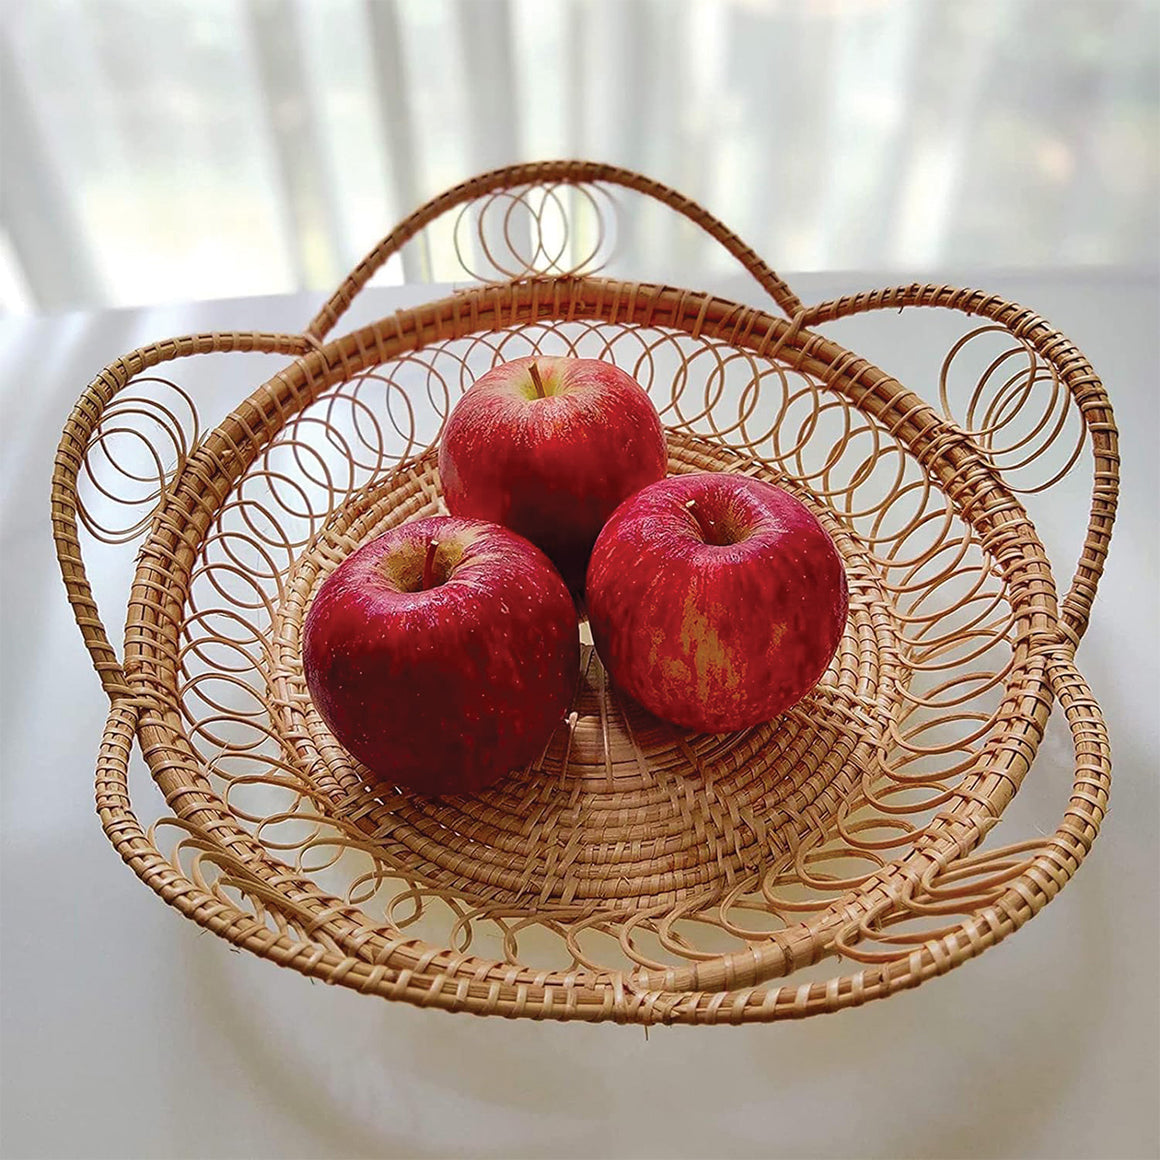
(635, 872)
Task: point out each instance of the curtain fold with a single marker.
(207, 148)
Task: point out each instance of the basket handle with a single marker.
(1075, 371)
(570, 172)
(73, 447)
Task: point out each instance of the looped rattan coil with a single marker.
(634, 872)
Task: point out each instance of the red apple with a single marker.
(443, 654)
(549, 447)
(715, 600)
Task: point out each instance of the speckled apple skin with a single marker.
(446, 689)
(552, 469)
(716, 637)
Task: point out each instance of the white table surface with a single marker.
(127, 1031)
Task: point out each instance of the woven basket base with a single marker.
(680, 815)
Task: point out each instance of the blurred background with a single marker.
(169, 150)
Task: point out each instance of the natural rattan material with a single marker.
(635, 872)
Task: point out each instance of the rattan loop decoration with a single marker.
(634, 872)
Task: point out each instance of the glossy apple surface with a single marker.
(716, 600)
(442, 668)
(551, 460)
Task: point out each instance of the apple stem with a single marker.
(705, 525)
(429, 565)
(539, 382)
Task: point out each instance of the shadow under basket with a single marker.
(635, 872)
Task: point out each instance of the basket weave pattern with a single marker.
(634, 872)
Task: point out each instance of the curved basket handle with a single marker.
(570, 172)
(70, 459)
(1081, 380)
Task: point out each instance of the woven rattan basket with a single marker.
(635, 872)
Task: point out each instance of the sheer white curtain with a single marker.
(175, 149)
